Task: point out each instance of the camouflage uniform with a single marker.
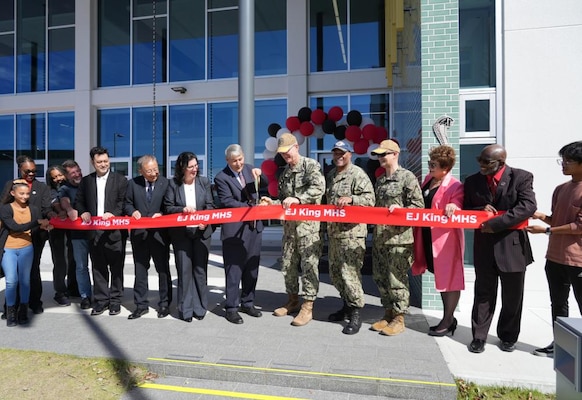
(392, 248)
(347, 242)
(302, 242)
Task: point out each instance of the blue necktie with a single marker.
(149, 191)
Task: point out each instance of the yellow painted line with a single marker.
(298, 372)
(211, 392)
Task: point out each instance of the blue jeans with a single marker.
(17, 264)
(81, 255)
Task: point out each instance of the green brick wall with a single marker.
(440, 91)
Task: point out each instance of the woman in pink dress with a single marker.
(441, 250)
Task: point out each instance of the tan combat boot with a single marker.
(383, 323)
(290, 307)
(395, 327)
(305, 315)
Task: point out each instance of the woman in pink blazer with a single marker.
(440, 250)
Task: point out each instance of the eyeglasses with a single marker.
(29, 171)
(191, 167)
(433, 164)
(151, 171)
(561, 162)
(384, 154)
(485, 161)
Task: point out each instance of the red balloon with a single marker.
(318, 116)
(381, 134)
(335, 113)
(379, 172)
(273, 188)
(306, 128)
(369, 132)
(293, 123)
(269, 167)
(361, 146)
(353, 133)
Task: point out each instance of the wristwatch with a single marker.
(548, 231)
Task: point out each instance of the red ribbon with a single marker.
(327, 213)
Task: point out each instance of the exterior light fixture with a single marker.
(179, 89)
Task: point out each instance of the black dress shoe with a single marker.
(163, 312)
(507, 346)
(85, 303)
(477, 346)
(234, 317)
(99, 309)
(37, 309)
(199, 317)
(114, 309)
(139, 312)
(252, 311)
(189, 319)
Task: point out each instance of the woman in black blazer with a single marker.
(186, 194)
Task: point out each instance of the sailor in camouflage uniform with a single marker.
(347, 184)
(300, 183)
(392, 248)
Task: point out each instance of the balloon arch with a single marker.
(359, 131)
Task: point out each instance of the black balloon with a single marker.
(354, 118)
(273, 129)
(279, 160)
(340, 132)
(328, 126)
(304, 114)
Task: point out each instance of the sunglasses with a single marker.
(485, 161)
(384, 154)
(29, 171)
(433, 164)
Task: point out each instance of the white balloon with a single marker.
(281, 131)
(271, 144)
(366, 121)
(300, 138)
(371, 147)
(342, 121)
(268, 154)
(318, 132)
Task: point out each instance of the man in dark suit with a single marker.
(237, 185)
(144, 197)
(102, 194)
(500, 252)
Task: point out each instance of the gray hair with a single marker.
(233, 150)
(144, 160)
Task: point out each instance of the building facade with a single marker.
(161, 77)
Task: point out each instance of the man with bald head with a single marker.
(500, 252)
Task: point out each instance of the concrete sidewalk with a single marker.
(268, 351)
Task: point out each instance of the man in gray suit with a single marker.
(501, 253)
(143, 198)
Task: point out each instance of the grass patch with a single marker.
(471, 391)
(41, 375)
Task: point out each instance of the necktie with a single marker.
(242, 179)
(149, 191)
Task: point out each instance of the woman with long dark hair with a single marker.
(187, 193)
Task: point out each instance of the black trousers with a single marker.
(145, 250)
(107, 260)
(560, 278)
(487, 280)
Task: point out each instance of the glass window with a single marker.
(61, 58)
(143, 57)
(477, 115)
(6, 64)
(223, 44)
(30, 135)
(270, 37)
(367, 34)
(113, 131)
(187, 129)
(142, 8)
(114, 39)
(61, 12)
(30, 38)
(266, 113)
(145, 139)
(477, 43)
(7, 162)
(328, 36)
(7, 16)
(222, 131)
(187, 40)
(61, 137)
